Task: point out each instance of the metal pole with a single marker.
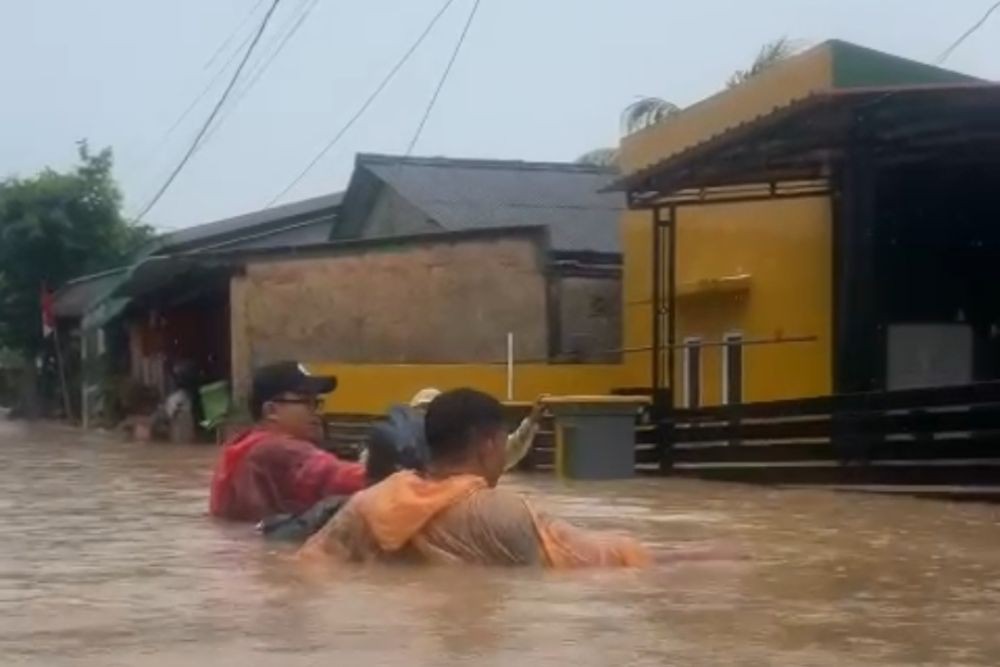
(510, 365)
(672, 300)
(655, 379)
(84, 417)
(62, 373)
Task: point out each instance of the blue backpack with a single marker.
(397, 442)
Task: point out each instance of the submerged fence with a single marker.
(938, 437)
(934, 441)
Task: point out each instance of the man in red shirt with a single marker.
(275, 467)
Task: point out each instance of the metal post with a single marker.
(62, 374)
(657, 299)
(672, 302)
(510, 365)
(84, 408)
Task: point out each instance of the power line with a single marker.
(232, 35)
(215, 112)
(367, 103)
(968, 33)
(263, 64)
(444, 78)
(197, 100)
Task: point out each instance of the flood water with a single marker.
(107, 558)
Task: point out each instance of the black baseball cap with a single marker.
(280, 377)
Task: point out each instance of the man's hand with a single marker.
(538, 408)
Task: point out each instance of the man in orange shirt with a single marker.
(453, 513)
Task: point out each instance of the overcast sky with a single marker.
(537, 79)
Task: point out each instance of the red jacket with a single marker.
(261, 473)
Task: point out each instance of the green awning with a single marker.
(103, 312)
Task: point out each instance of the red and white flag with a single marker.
(48, 313)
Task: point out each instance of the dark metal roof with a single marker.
(75, 297)
(300, 223)
(300, 233)
(256, 224)
(460, 194)
(802, 140)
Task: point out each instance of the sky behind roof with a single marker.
(536, 80)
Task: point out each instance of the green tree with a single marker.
(55, 226)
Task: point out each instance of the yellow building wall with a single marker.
(637, 297)
(785, 249)
(371, 388)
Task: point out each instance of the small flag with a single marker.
(48, 313)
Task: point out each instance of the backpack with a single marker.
(396, 442)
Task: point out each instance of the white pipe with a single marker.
(510, 366)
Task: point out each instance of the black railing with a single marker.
(922, 437)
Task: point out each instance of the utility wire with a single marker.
(215, 112)
(262, 66)
(232, 35)
(367, 103)
(197, 100)
(444, 78)
(968, 33)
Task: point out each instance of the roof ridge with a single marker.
(481, 163)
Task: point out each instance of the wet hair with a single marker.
(457, 419)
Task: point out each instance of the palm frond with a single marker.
(601, 157)
(644, 112)
(769, 55)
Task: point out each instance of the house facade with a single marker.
(822, 228)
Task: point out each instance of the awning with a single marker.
(77, 296)
(802, 141)
(103, 312)
(159, 273)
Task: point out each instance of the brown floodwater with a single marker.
(107, 558)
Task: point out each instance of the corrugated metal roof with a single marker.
(460, 194)
(213, 234)
(75, 297)
(300, 233)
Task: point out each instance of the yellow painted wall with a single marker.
(637, 285)
(785, 248)
(371, 388)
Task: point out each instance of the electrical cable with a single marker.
(444, 78)
(215, 111)
(364, 106)
(968, 33)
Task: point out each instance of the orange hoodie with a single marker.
(398, 509)
(497, 527)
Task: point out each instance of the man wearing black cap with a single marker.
(275, 467)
